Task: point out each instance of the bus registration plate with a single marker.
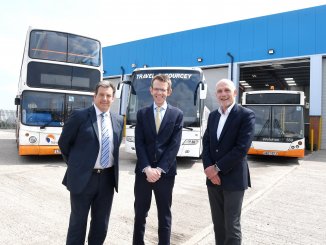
(270, 153)
(57, 151)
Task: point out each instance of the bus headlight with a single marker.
(190, 142)
(130, 138)
(32, 139)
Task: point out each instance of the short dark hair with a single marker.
(104, 84)
(162, 78)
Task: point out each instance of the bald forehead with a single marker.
(225, 83)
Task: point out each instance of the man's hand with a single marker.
(210, 171)
(212, 175)
(216, 180)
(152, 174)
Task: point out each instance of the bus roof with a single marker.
(30, 29)
(169, 68)
(273, 92)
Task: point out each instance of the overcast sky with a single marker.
(114, 22)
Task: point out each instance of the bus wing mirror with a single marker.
(203, 91)
(125, 79)
(17, 101)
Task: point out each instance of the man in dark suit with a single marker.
(227, 139)
(89, 144)
(157, 140)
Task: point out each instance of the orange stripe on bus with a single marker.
(289, 153)
(59, 52)
(25, 150)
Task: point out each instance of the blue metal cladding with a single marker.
(290, 34)
(290, 38)
(246, 40)
(275, 35)
(320, 30)
(307, 32)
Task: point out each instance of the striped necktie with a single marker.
(158, 118)
(105, 154)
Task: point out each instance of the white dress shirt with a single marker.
(162, 111)
(99, 125)
(223, 118)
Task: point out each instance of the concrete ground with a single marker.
(287, 204)
(291, 211)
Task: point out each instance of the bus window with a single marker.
(43, 75)
(58, 46)
(40, 108)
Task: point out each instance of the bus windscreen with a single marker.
(184, 85)
(273, 98)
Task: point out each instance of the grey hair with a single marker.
(226, 81)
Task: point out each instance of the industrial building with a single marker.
(265, 52)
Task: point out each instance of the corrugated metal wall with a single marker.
(290, 34)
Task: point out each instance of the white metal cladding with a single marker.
(116, 104)
(212, 76)
(323, 107)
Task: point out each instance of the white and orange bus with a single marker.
(279, 128)
(189, 94)
(59, 73)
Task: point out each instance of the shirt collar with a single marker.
(99, 112)
(228, 110)
(164, 106)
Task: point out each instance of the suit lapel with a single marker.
(114, 123)
(150, 117)
(215, 125)
(93, 117)
(228, 121)
(165, 118)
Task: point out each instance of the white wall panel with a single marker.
(212, 76)
(323, 107)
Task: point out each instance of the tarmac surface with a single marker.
(292, 210)
(287, 204)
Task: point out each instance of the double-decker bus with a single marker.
(279, 128)
(59, 73)
(188, 94)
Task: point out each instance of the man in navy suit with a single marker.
(157, 140)
(227, 139)
(90, 177)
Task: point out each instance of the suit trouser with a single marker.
(98, 195)
(226, 213)
(143, 195)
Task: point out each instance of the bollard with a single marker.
(312, 140)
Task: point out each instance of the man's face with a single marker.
(104, 98)
(225, 95)
(159, 91)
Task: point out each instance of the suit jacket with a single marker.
(158, 149)
(79, 145)
(229, 153)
